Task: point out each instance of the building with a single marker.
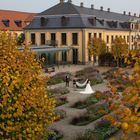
(14, 20)
(63, 31)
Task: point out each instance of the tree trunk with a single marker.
(97, 61)
(117, 62)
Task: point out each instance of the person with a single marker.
(74, 82)
(67, 81)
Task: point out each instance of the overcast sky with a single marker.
(40, 5)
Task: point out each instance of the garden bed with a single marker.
(58, 92)
(58, 78)
(93, 113)
(103, 130)
(93, 99)
(61, 101)
(54, 135)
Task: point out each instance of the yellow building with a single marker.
(64, 30)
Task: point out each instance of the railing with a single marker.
(52, 42)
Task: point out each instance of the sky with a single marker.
(37, 6)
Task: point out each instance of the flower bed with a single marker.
(58, 92)
(57, 78)
(95, 98)
(61, 114)
(102, 131)
(93, 113)
(61, 101)
(54, 135)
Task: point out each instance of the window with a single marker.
(63, 38)
(92, 21)
(89, 36)
(107, 38)
(75, 38)
(64, 20)
(100, 35)
(112, 38)
(53, 36)
(127, 38)
(124, 37)
(132, 39)
(42, 38)
(43, 21)
(6, 22)
(18, 23)
(95, 35)
(33, 38)
(53, 39)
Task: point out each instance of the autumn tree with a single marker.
(96, 47)
(25, 108)
(126, 105)
(119, 48)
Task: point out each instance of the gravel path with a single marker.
(70, 131)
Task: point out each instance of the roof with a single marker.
(12, 17)
(79, 17)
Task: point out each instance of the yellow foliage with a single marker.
(25, 109)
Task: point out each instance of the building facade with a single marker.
(66, 25)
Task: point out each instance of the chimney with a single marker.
(101, 8)
(134, 14)
(124, 12)
(108, 9)
(81, 4)
(129, 13)
(92, 6)
(139, 15)
(70, 1)
(61, 1)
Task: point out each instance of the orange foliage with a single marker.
(127, 108)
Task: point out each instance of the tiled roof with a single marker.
(14, 17)
(80, 17)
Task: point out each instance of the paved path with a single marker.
(70, 131)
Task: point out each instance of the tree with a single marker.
(126, 105)
(20, 39)
(25, 108)
(96, 47)
(119, 48)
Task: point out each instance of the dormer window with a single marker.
(18, 23)
(101, 21)
(112, 24)
(6, 22)
(92, 21)
(64, 20)
(125, 25)
(43, 21)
